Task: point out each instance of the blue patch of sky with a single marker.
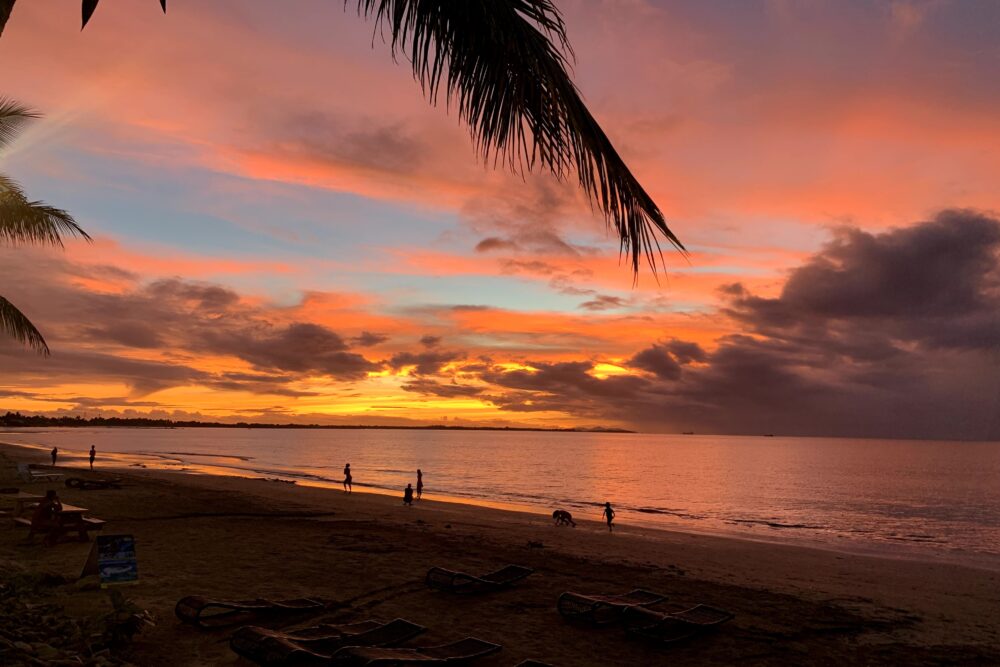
(201, 211)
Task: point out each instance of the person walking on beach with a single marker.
(54, 453)
(93, 455)
(420, 483)
(610, 514)
(348, 487)
(408, 495)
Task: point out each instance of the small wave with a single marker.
(916, 538)
(776, 524)
(296, 475)
(681, 514)
(153, 455)
(210, 456)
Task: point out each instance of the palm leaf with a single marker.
(504, 64)
(13, 116)
(23, 221)
(6, 7)
(17, 326)
(88, 7)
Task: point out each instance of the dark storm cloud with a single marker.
(666, 359)
(84, 403)
(259, 383)
(528, 266)
(204, 298)
(301, 347)
(211, 319)
(528, 220)
(369, 339)
(570, 379)
(177, 321)
(561, 280)
(604, 302)
(445, 390)
(685, 352)
(893, 334)
(492, 243)
(934, 284)
(129, 334)
(328, 138)
(657, 361)
(429, 341)
(81, 366)
(428, 362)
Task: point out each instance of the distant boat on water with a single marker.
(687, 432)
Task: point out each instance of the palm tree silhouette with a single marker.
(503, 63)
(25, 222)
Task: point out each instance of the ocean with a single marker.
(912, 499)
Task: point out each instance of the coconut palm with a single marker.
(504, 64)
(23, 221)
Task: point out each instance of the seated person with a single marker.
(46, 517)
(563, 518)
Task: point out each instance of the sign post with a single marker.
(112, 558)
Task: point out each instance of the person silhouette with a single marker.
(348, 480)
(610, 514)
(46, 517)
(93, 455)
(408, 495)
(420, 483)
(54, 453)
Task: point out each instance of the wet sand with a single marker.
(241, 538)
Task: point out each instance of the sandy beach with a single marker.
(241, 538)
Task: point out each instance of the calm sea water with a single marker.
(909, 498)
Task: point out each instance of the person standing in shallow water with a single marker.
(420, 483)
(408, 495)
(348, 486)
(610, 514)
(93, 455)
(55, 454)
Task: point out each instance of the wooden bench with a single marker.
(28, 475)
(72, 523)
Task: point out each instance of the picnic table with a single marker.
(72, 512)
(23, 500)
(71, 519)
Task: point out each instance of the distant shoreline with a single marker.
(17, 420)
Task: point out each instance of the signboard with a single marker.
(112, 558)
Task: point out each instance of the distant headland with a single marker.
(17, 420)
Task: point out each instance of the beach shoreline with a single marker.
(199, 534)
(638, 523)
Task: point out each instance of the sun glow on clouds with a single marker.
(606, 370)
(285, 230)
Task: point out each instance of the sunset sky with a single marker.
(286, 231)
